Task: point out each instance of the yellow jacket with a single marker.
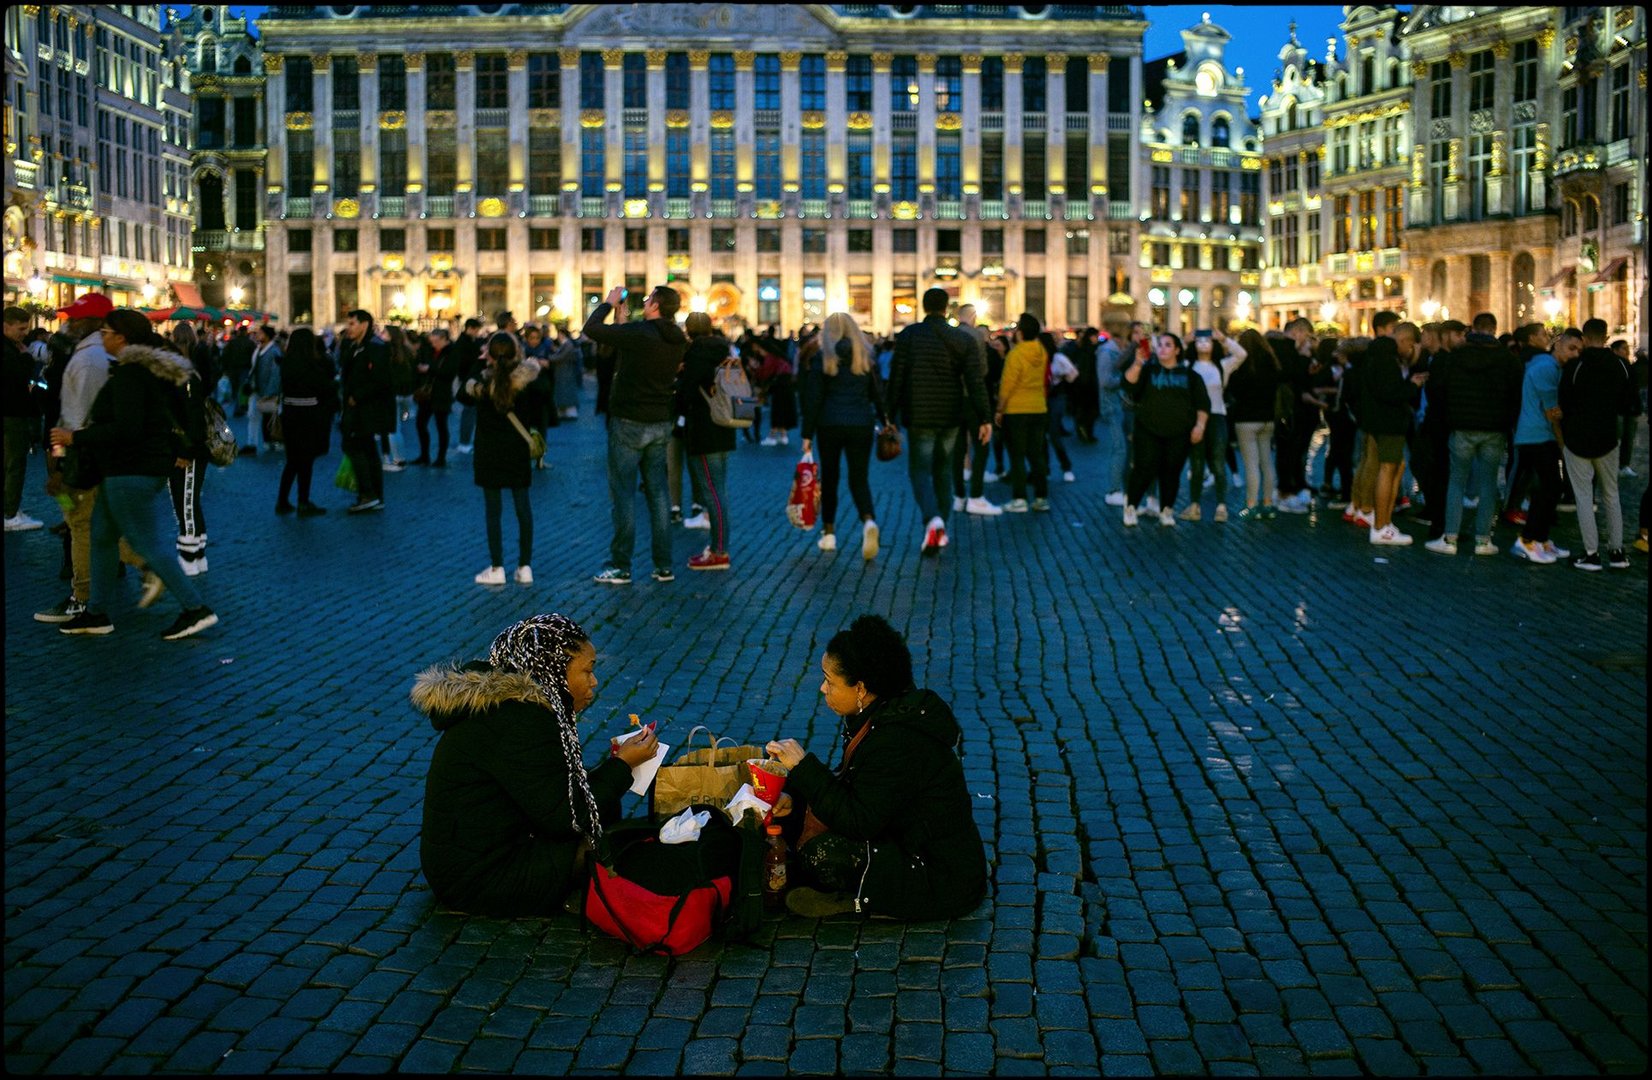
(1021, 390)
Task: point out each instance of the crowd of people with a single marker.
(1466, 430)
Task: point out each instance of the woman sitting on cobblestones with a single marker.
(510, 811)
(892, 831)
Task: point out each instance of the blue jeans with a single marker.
(633, 445)
(138, 508)
(930, 469)
(1114, 436)
(707, 475)
(1483, 452)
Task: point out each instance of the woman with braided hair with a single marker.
(510, 811)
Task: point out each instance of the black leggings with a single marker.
(854, 443)
(1541, 462)
(1161, 455)
(494, 505)
(422, 418)
(299, 467)
(1028, 459)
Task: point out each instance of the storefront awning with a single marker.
(188, 294)
(1559, 279)
(69, 279)
(1609, 273)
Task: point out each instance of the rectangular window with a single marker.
(814, 241)
(948, 167)
(949, 84)
(903, 167)
(1078, 85)
(393, 163)
(1569, 116)
(246, 122)
(441, 240)
(1035, 297)
(1439, 158)
(393, 82)
(300, 296)
(300, 82)
(1479, 169)
(592, 239)
(1342, 224)
(903, 84)
(636, 163)
(300, 163)
(544, 81)
(392, 239)
(298, 241)
(442, 158)
(992, 84)
(593, 93)
(859, 241)
(903, 241)
(992, 166)
(768, 300)
(490, 239)
(1034, 88)
(1393, 215)
(1078, 241)
(678, 163)
(490, 294)
(634, 81)
(1076, 167)
(678, 241)
(1078, 299)
(812, 165)
(441, 85)
(544, 160)
(209, 131)
(346, 160)
(492, 81)
(593, 162)
(246, 199)
(1620, 102)
(1292, 253)
(766, 165)
(1033, 241)
(1221, 196)
(677, 80)
(346, 240)
(1190, 204)
(544, 239)
(1482, 80)
(722, 240)
(1524, 161)
(1033, 178)
(812, 83)
(1620, 204)
(346, 85)
(1439, 74)
(857, 84)
(492, 162)
(1525, 70)
(1160, 207)
(992, 242)
(720, 79)
(722, 163)
(859, 162)
(1367, 220)
(766, 81)
(1250, 198)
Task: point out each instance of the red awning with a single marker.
(188, 294)
(1559, 279)
(1609, 273)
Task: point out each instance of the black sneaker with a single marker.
(613, 575)
(1617, 559)
(310, 510)
(676, 515)
(190, 622)
(1589, 561)
(87, 623)
(369, 504)
(284, 508)
(61, 612)
(664, 576)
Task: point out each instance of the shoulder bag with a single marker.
(536, 441)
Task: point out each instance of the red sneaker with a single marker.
(709, 560)
(934, 539)
(1514, 517)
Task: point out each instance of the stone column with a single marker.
(323, 128)
(791, 135)
(1139, 161)
(1457, 287)
(465, 171)
(883, 278)
(1013, 191)
(1059, 184)
(926, 137)
(745, 131)
(656, 137)
(837, 124)
(1500, 291)
(367, 74)
(970, 140)
(1099, 136)
(416, 141)
(569, 59)
(791, 273)
(516, 123)
(699, 138)
(613, 103)
(881, 125)
(275, 126)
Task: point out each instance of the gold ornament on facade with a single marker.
(544, 118)
(971, 63)
(394, 264)
(948, 121)
(414, 61)
(491, 207)
(1419, 162)
(591, 118)
(367, 61)
(1540, 151)
(346, 208)
(656, 59)
(1545, 37)
(926, 63)
(1454, 160)
(441, 118)
(744, 59)
(1099, 61)
(321, 63)
(722, 118)
(791, 61)
(1571, 45)
(1055, 62)
(676, 118)
(300, 121)
(1419, 69)
(1458, 60)
(517, 59)
(464, 59)
(613, 58)
(568, 57)
(1625, 16)
(860, 121)
(1501, 49)
(813, 120)
(392, 120)
(1640, 79)
(441, 264)
(1013, 62)
(698, 58)
(881, 61)
(837, 61)
(1497, 154)
(273, 62)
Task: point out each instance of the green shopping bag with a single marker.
(346, 476)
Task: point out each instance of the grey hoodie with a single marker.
(83, 377)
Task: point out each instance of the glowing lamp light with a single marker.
(236, 294)
(697, 304)
(982, 308)
(1184, 297)
(810, 292)
(768, 292)
(1155, 297)
(1328, 310)
(542, 310)
(149, 292)
(1552, 306)
(37, 285)
(1431, 307)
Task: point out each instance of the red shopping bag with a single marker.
(804, 504)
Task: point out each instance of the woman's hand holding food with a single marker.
(786, 751)
(636, 751)
(782, 805)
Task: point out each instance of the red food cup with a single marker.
(768, 778)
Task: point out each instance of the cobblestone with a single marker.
(1257, 802)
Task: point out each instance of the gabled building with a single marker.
(1200, 162)
(1293, 146)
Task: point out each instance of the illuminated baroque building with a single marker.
(97, 173)
(1294, 145)
(773, 162)
(1200, 177)
(226, 69)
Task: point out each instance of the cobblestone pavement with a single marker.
(1258, 798)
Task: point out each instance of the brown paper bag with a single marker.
(710, 775)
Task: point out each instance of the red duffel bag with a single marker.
(803, 507)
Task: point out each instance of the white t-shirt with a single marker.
(1212, 375)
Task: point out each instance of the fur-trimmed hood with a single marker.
(447, 693)
(163, 364)
(521, 375)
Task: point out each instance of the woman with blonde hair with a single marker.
(842, 399)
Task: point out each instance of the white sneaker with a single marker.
(1471, 502)
(391, 466)
(869, 541)
(1068, 476)
(827, 542)
(1628, 473)
(1129, 514)
(958, 504)
(493, 575)
(1210, 480)
(1293, 505)
(983, 507)
(192, 569)
(1114, 498)
(990, 477)
(1014, 506)
(1167, 518)
(524, 575)
(1440, 545)
(21, 522)
(1388, 536)
(769, 440)
(463, 449)
(1484, 546)
(1558, 552)
(1536, 553)
(698, 521)
(785, 438)
(1150, 505)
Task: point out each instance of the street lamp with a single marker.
(236, 294)
(149, 292)
(37, 285)
(1328, 310)
(1552, 307)
(1429, 308)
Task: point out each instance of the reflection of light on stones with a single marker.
(1300, 616)
(1230, 620)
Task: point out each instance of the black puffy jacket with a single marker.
(138, 424)
(1479, 389)
(937, 369)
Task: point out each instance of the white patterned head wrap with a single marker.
(540, 648)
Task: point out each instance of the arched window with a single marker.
(243, 66)
(1219, 131)
(1190, 130)
(1290, 115)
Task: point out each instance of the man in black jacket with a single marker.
(21, 418)
(468, 345)
(238, 364)
(1595, 392)
(1479, 393)
(1385, 402)
(369, 406)
(640, 416)
(934, 367)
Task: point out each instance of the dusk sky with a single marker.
(1258, 32)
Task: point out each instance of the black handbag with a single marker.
(79, 468)
(889, 443)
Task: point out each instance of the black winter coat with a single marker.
(136, 426)
(841, 400)
(307, 376)
(441, 369)
(700, 436)
(903, 795)
(499, 836)
(364, 368)
(647, 354)
(501, 458)
(1384, 406)
(1252, 390)
(936, 372)
(1479, 390)
(1595, 390)
(19, 374)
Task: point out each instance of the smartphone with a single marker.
(1201, 333)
